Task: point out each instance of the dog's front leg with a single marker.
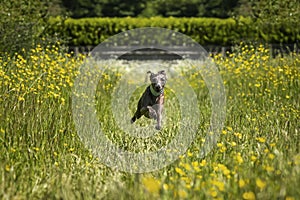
(158, 110)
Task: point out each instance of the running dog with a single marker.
(152, 101)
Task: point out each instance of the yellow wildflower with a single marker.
(242, 183)
(261, 139)
(289, 198)
(260, 183)
(151, 184)
(213, 192)
(249, 196)
(180, 171)
(182, 194)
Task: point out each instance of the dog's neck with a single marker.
(155, 93)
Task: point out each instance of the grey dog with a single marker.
(151, 102)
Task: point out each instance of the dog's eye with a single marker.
(162, 79)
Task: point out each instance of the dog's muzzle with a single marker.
(158, 87)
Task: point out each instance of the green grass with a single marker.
(257, 154)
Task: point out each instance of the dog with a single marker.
(152, 101)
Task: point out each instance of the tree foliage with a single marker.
(147, 8)
(273, 15)
(83, 8)
(271, 11)
(21, 23)
(123, 8)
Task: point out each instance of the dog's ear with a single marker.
(151, 75)
(163, 73)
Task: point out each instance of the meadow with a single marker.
(256, 157)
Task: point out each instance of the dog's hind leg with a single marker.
(136, 116)
(133, 119)
(139, 113)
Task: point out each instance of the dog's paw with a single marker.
(157, 127)
(132, 120)
(152, 113)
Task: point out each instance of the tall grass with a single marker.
(257, 155)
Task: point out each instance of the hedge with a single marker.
(205, 31)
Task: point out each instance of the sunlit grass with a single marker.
(256, 157)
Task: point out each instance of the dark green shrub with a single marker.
(206, 31)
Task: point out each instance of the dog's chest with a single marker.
(156, 100)
(149, 99)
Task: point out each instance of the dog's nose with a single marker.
(158, 87)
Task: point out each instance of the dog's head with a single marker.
(158, 81)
